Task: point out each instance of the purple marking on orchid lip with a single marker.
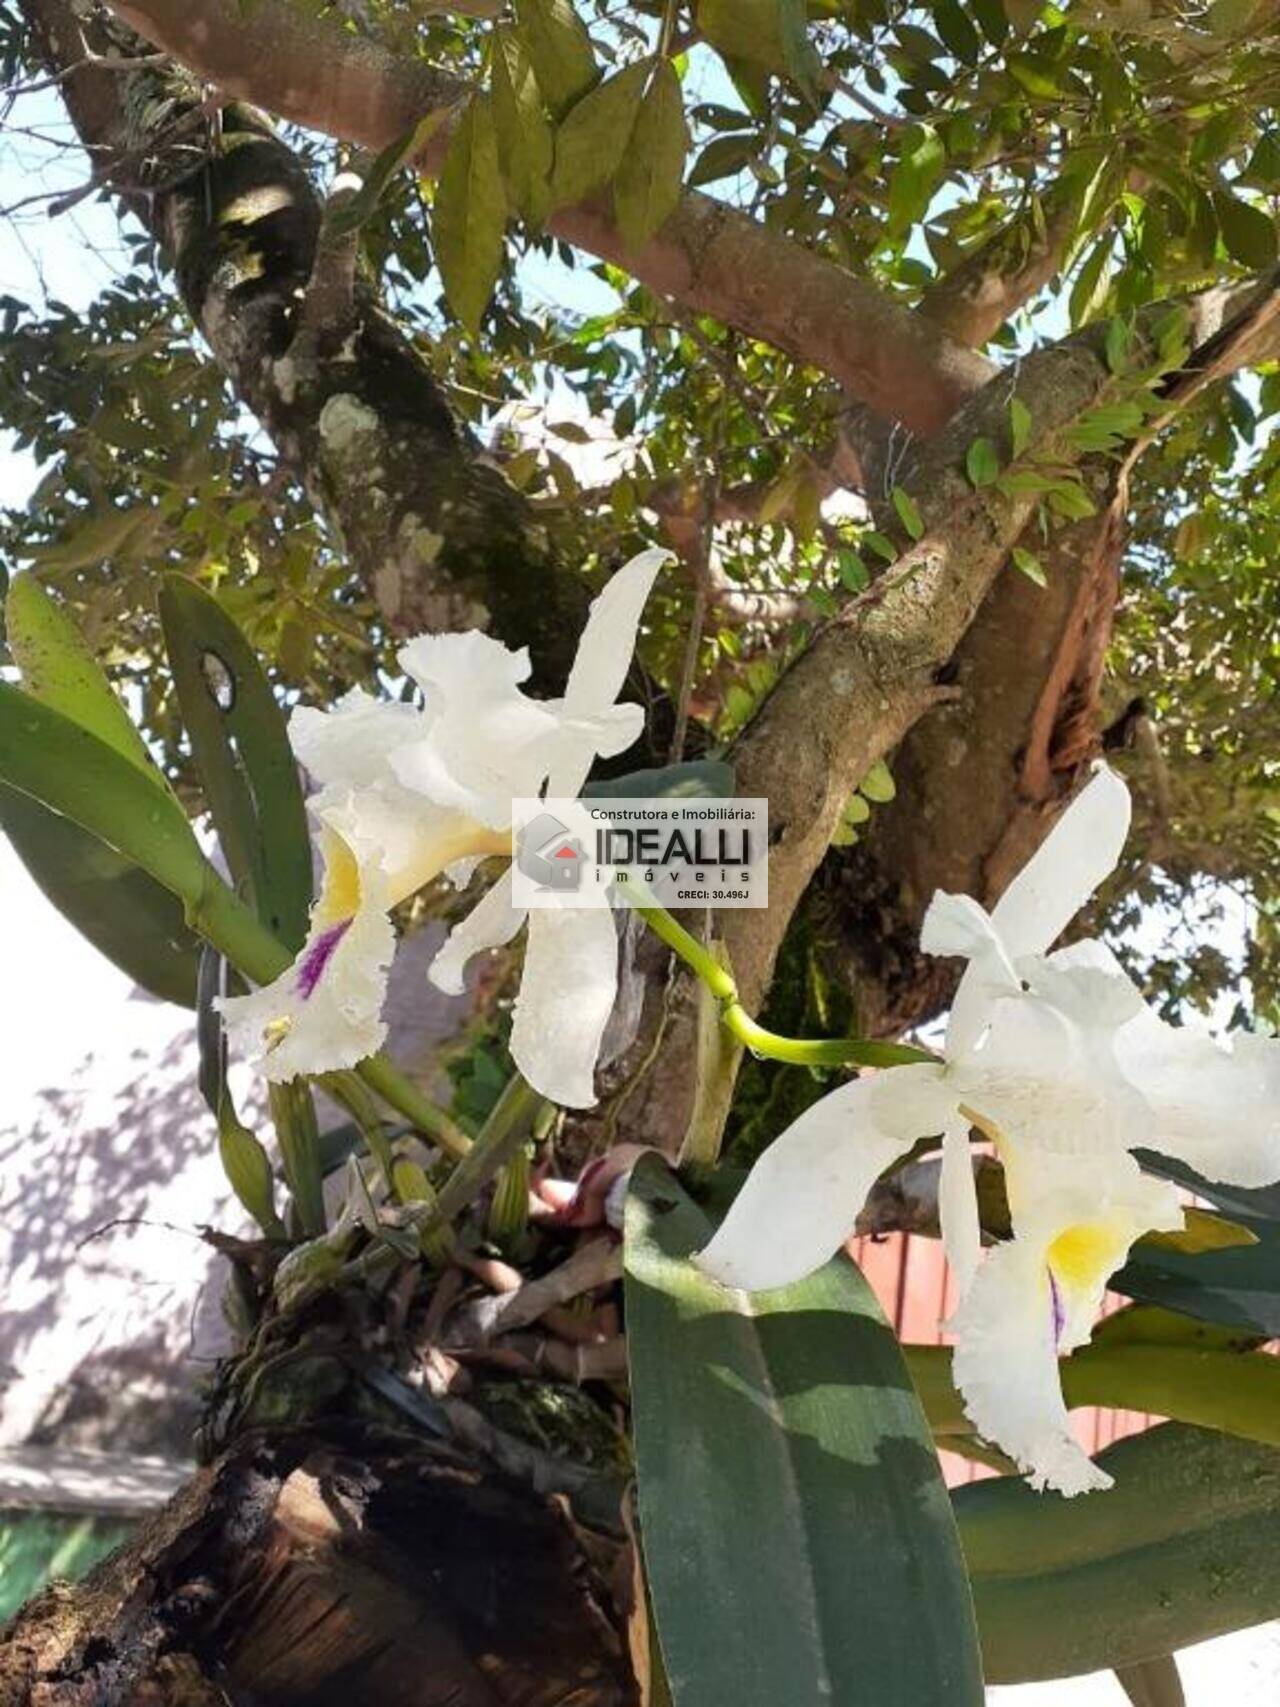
(318, 957)
(1059, 1313)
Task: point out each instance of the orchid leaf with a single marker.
(1202, 1230)
(790, 1498)
(1262, 1202)
(117, 907)
(59, 669)
(1239, 1286)
(68, 769)
(1181, 1549)
(125, 914)
(241, 749)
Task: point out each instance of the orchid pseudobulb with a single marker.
(406, 794)
(1055, 1058)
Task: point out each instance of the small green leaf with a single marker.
(559, 47)
(525, 143)
(908, 512)
(914, 178)
(1019, 426)
(1069, 500)
(1248, 233)
(1117, 345)
(981, 462)
(882, 546)
(1092, 281)
(1037, 76)
(646, 190)
(470, 215)
(956, 31)
(376, 179)
(592, 139)
(878, 784)
(852, 570)
(723, 157)
(770, 34)
(787, 1484)
(1030, 565)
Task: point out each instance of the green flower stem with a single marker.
(219, 916)
(293, 1115)
(800, 1052)
(398, 1091)
(502, 1134)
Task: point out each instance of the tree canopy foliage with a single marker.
(1001, 173)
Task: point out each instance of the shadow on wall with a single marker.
(112, 1311)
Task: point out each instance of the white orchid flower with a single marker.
(1056, 1058)
(406, 794)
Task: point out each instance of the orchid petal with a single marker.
(910, 1103)
(609, 637)
(482, 742)
(450, 668)
(1086, 983)
(491, 923)
(591, 724)
(956, 924)
(351, 744)
(411, 840)
(1039, 1296)
(958, 1206)
(1045, 1081)
(567, 992)
(803, 1196)
(1215, 1108)
(1081, 850)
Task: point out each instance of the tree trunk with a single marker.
(351, 1570)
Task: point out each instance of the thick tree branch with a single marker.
(429, 523)
(708, 256)
(973, 301)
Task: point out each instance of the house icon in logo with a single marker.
(550, 855)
